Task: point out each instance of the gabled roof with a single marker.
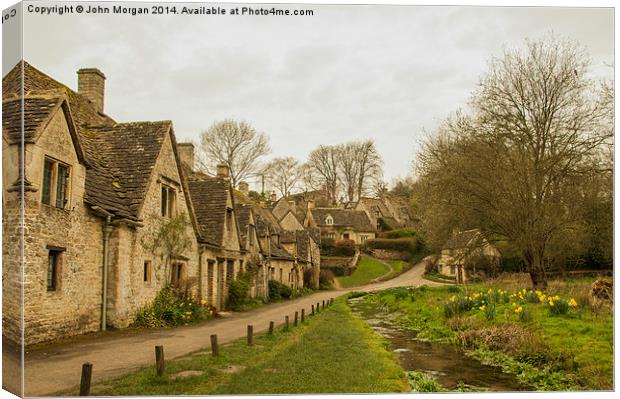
(102, 187)
(464, 239)
(37, 112)
(302, 238)
(209, 197)
(357, 220)
(135, 148)
(243, 213)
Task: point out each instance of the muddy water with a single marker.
(448, 365)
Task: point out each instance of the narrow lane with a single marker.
(56, 368)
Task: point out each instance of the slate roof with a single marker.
(115, 177)
(37, 113)
(464, 239)
(302, 237)
(357, 220)
(209, 197)
(243, 211)
(134, 147)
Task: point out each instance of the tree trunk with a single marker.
(534, 261)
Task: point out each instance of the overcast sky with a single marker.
(348, 72)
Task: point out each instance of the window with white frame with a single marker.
(329, 220)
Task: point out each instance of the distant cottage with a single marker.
(463, 251)
(96, 192)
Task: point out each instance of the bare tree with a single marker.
(369, 166)
(515, 166)
(235, 144)
(283, 174)
(324, 163)
(348, 169)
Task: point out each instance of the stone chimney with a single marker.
(91, 84)
(244, 187)
(223, 171)
(310, 204)
(186, 153)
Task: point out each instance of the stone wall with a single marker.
(133, 246)
(75, 306)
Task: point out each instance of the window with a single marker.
(331, 235)
(53, 266)
(148, 271)
(168, 201)
(229, 219)
(55, 187)
(230, 270)
(363, 238)
(251, 233)
(345, 236)
(176, 276)
(329, 220)
(48, 175)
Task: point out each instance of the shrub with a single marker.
(409, 244)
(277, 290)
(400, 233)
(326, 279)
(170, 308)
(431, 265)
(327, 244)
(239, 290)
(344, 248)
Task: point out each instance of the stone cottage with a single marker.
(387, 212)
(467, 253)
(341, 224)
(113, 212)
(95, 192)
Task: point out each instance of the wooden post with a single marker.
(296, 318)
(317, 307)
(303, 315)
(87, 374)
(312, 312)
(286, 322)
(323, 305)
(250, 335)
(159, 360)
(215, 349)
(271, 325)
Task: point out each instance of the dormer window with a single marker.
(329, 220)
(168, 201)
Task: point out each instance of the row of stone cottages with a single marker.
(95, 194)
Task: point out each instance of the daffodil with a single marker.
(203, 302)
(572, 303)
(483, 308)
(551, 303)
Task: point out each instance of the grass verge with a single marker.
(333, 352)
(367, 270)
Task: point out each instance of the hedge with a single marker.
(400, 233)
(408, 244)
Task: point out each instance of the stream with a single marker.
(449, 366)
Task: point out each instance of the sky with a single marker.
(390, 73)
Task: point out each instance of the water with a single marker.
(449, 366)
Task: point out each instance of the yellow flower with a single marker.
(572, 303)
(202, 302)
(514, 304)
(482, 308)
(181, 305)
(551, 303)
(519, 310)
(188, 313)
